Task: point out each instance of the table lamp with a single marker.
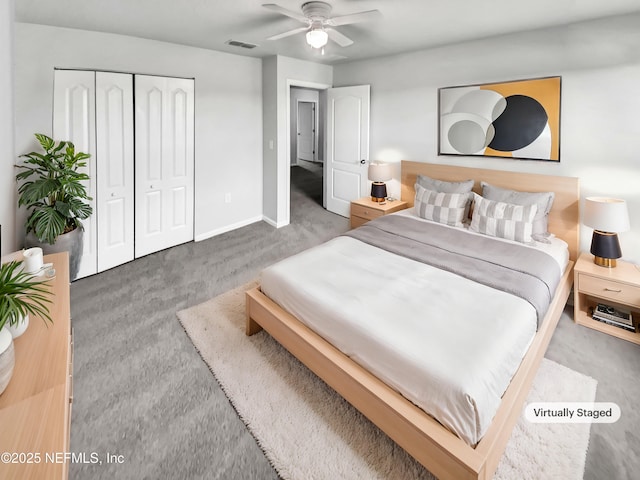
(607, 217)
(378, 174)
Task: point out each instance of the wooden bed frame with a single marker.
(440, 451)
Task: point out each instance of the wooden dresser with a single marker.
(35, 409)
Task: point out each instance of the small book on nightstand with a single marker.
(611, 316)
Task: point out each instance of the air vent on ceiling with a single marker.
(236, 43)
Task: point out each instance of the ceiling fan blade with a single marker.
(339, 38)
(287, 34)
(354, 18)
(284, 11)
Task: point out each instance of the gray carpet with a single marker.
(142, 391)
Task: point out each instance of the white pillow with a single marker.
(447, 208)
(504, 220)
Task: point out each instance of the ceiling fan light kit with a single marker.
(319, 23)
(317, 38)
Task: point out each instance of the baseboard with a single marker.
(273, 223)
(228, 228)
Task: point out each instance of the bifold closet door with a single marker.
(114, 161)
(74, 121)
(164, 166)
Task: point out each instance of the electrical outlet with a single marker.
(227, 198)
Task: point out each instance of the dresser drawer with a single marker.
(615, 291)
(365, 212)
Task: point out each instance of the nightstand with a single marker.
(364, 209)
(617, 287)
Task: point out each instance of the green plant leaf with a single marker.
(70, 152)
(60, 146)
(46, 142)
(22, 294)
(63, 208)
(74, 189)
(48, 224)
(32, 192)
(80, 209)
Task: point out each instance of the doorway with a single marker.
(306, 151)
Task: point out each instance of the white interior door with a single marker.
(347, 146)
(74, 120)
(306, 130)
(114, 159)
(164, 162)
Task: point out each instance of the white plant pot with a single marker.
(19, 328)
(7, 358)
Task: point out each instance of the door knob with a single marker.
(363, 161)
(113, 194)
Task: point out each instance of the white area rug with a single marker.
(307, 431)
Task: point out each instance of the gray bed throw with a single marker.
(525, 272)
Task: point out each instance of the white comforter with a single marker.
(448, 344)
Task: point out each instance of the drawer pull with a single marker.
(612, 290)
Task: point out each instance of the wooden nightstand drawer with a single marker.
(607, 289)
(365, 212)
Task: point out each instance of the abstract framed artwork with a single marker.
(518, 119)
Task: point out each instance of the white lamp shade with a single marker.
(606, 214)
(380, 172)
(317, 38)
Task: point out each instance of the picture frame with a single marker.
(518, 120)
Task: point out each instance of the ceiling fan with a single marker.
(319, 24)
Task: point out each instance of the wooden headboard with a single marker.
(564, 217)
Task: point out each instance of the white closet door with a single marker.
(74, 120)
(164, 162)
(114, 159)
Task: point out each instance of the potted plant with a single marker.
(21, 294)
(55, 195)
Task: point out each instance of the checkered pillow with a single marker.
(504, 220)
(447, 208)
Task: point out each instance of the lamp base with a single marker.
(605, 248)
(605, 262)
(378, 192)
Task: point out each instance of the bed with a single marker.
(473, 454)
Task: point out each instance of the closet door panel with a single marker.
(74, 121)
(115, 165)
(164, 162)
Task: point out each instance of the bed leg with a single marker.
(251, 326)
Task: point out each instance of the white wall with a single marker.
(8, 202)
(228, 112)
(278, 75)
(599, 63)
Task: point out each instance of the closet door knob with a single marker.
(113, 194)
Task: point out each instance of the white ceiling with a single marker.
(405, 25)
